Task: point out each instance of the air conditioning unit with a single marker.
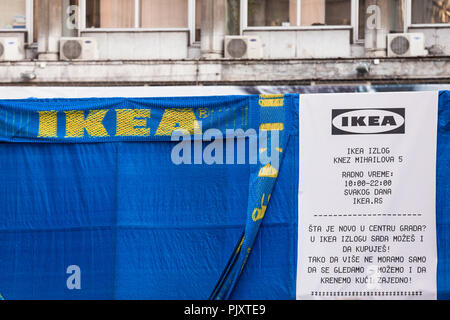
(243, 47)
(78, 49)
(11, 49)
(406, 45)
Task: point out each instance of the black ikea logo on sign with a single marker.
(368, 121)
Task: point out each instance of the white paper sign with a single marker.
(367, 225)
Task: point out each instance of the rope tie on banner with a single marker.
(262, 180)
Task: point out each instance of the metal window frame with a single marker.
(355, 21)
(136, 28)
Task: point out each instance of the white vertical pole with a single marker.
(244, 15)
(29, 21)
(137, 10)
(191, 20)
(299, 12)
(355, 19)
(408, 15)
(82, 12)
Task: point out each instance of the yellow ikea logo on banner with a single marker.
(129, 123)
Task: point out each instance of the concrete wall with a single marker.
(186, 72)
(304, 43)
(438, 37)
(141, 45)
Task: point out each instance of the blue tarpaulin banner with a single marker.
(443, 196)
(90, 187)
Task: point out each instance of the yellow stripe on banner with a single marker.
(259, 213)
(271, 102)
(268, 171)
(240, 245)
(269, 96)
(271, 126)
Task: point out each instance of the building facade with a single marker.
(173, 42)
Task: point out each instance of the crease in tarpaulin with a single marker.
(274, 121)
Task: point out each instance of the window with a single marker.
(13, 14)
(285, 13)
(430, 11)
(270, 13)
(388, 15)
(164, 13)
(337, 12)
(136, 13)
(233, 17)
(110, 13)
